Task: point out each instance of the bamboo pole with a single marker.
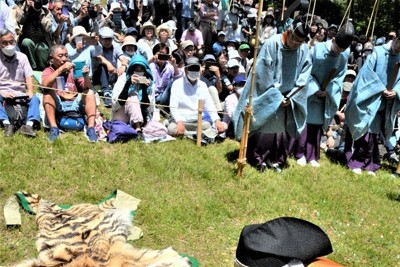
(241, 162)
(346, 14)
(199, 122)
(372, 14)
(282, 13)
(373, 24)
(312, 14)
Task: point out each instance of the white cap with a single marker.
(233, 63)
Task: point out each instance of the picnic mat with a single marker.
(89, 235)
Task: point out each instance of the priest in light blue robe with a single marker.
(372, 107)
(329, 67)
(283, 65)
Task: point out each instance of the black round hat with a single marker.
(277, 242)
(345, 35)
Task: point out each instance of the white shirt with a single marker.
(184, 100)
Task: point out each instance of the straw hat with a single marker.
(163, 26)
(78, 31)
(129, 40)
(146, 25)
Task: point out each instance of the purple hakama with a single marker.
(309, 143)
(264, 146)
(363, 153)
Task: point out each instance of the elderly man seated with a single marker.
(16, 88)
(74, 93)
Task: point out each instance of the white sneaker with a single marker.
(371, 173)
(302, 161)
(274, 166)
(314, 164)
(357, 171)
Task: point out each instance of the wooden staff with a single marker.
(241, 162)
(373, 24)
(372, 14)
(283, 10)
(346, 14)
(290, 95)
(199, 122)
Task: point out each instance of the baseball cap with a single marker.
(239, 79)
(244, 47)
(221, 33)
(232, 63)
(106, 32)
(192, 61)
(209, 57)
(351, 72)
(186, 43)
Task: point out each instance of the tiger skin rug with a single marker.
(88, 235)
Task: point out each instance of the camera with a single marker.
(163, 56)
(142, 79)
(209, 64)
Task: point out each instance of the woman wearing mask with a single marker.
(129, 47)
(131, 95)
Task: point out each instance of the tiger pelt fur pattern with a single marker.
(91, 236)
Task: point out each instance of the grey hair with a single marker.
(54, 48)
(4, 32)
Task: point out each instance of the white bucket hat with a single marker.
(78, 31)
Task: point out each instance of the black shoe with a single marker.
(27, 130)
(9, 130)
(261, 167)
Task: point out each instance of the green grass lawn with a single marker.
(193, 201)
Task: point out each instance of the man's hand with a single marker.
(220, 126)
(66, 67)
(389, 94)
(285, 102)
(180, 128)
(215, 69)
(341, 116)
(85, 70)
(121, 70)
(7, 93)
(320, 93)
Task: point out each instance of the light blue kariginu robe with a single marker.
(279, 71)
(322, 110)
(367, 110)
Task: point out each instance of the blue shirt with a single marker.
(86, 55)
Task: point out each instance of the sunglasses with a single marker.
(193, 68)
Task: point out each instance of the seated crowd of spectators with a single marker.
(140, 57)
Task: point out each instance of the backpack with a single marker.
(71, 121)
(119, 131)
(17, 110)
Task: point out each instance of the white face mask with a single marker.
(239, 90)
(193, 75)
(139, 73)
(230, 48)
(130, 53)
(9, 50)
(359, 47)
